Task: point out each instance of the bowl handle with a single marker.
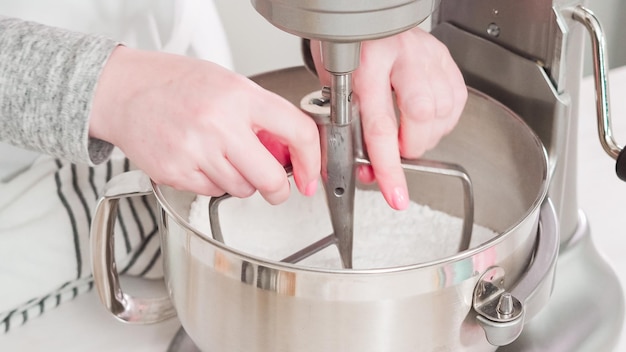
(121, 305)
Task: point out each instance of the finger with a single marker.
(298, 132)
(431, 99)
(278, 150)
(196, 182)
(416, 103)
(459, 88)
(220, 171)
(260, 168)
(365, 174)
(381, 135)
(451, 91)
(428, 110)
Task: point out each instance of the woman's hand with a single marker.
(196, 126)
(430, 93)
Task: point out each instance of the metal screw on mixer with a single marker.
(323, 100)
(500, 314)
(492, 301)
(505, 305)
(493, 30)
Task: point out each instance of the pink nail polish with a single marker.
(310, 188)
(400, 198)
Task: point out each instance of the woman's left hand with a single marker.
(430, 94)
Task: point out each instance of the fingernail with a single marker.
(310, 188)
(400, 198)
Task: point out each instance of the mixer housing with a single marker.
(529, 56)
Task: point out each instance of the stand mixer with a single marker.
(526, 54)
(516, 57)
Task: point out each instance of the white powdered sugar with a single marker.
(383, 237)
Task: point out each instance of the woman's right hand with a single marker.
(197, 126)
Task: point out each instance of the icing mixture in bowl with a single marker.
(383, 237)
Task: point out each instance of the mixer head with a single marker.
(344, 23)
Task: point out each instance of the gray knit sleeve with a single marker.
(47, 81)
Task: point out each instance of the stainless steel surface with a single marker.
(532, 28)
(586, 310)
(337, 117)
(600, 67)
(503, 321)
(509, 70)
(338, 167)
(229, 300)
(528, 55)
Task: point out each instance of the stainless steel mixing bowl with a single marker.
(228, 300)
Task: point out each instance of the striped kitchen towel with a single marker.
(45, 216)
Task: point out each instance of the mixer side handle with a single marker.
(123, 306)
(603, 105)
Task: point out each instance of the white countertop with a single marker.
(83, 324)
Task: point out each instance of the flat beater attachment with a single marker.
(342, 152)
